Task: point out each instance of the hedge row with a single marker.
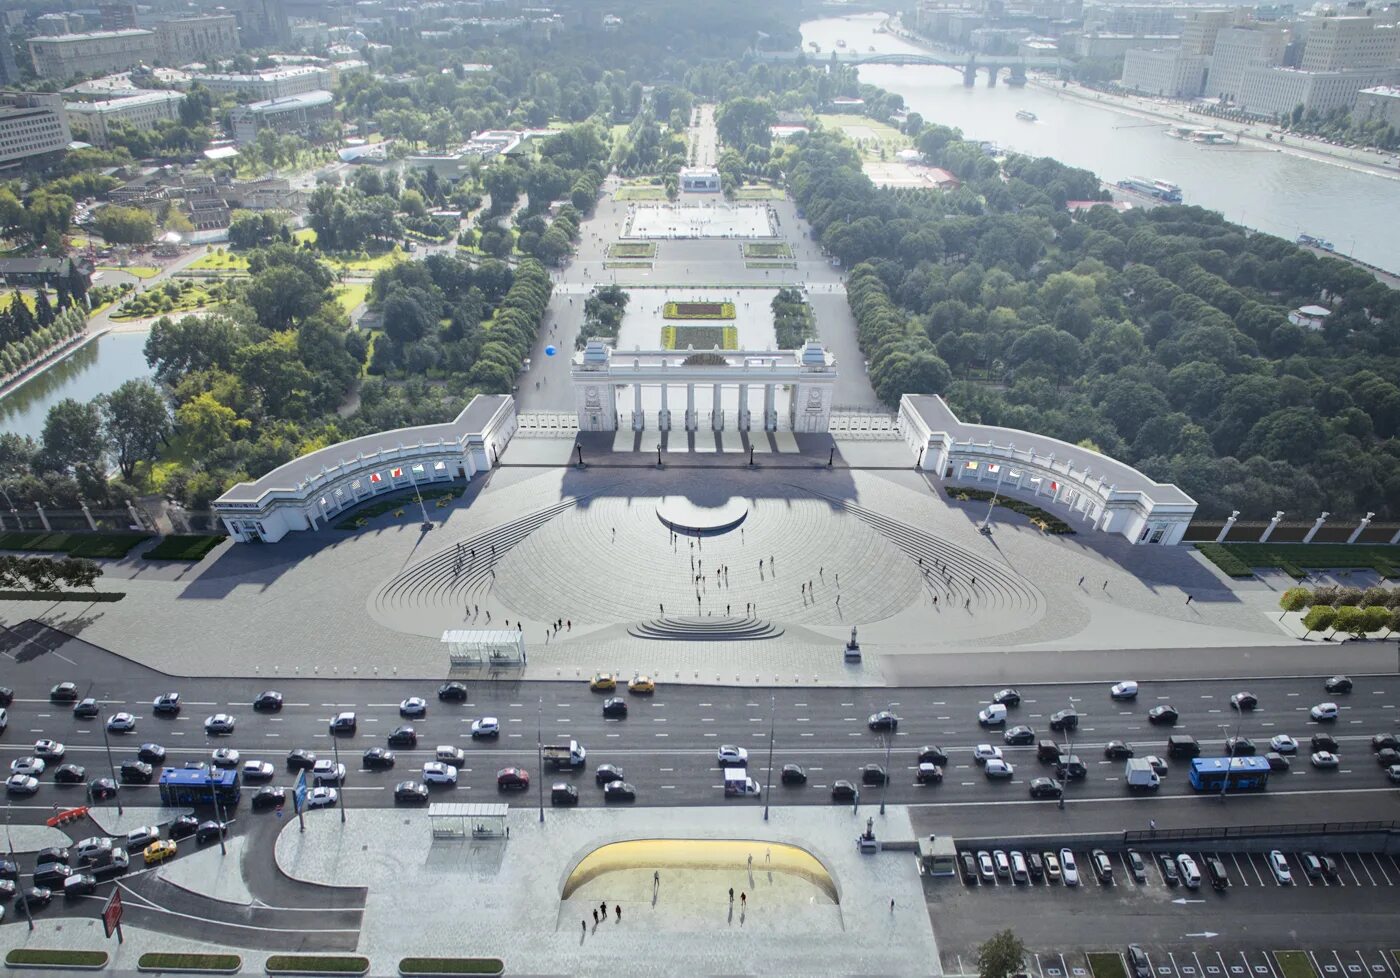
(217, 963)
(84, 596)
(1221, 557)
(21, 956)
(451, 966)
(190, 547)
(112, 545)
(326, 964)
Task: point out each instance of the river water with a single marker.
(100, 367)
(1259, 188)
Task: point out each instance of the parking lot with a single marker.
(1326, 963)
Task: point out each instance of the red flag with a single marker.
(375, 477)
(396, 473)
(1054, 487)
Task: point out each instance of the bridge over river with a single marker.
(968, 63)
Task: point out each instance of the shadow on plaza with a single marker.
(1152, 567)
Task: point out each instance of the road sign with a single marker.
(112, 915)
(299, 791)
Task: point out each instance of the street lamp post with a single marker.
(1229, 757)
(885, 786)
(23, 899)
(539, 746)
(340, 782)
(772, 725)
(1064, 778)
(111, 764)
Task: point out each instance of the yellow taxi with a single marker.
(602, 682)
(641, 684)
(159, 851)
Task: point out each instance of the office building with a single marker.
(9, 67)
(1378, 104)
(1118, 45)
(1238, 48)
(33, 128)
(92, 121)
(1271, 92)
(270, 84)
(1200, 28)
(1346, 43)
(57, 24)
(185, 39)
(117, 16)
(298, 114)
(264, 23)
(1170, 73)
(68, 55)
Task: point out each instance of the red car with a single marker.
(512, 779)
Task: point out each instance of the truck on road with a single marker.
(738, 783)
(1140, 776)
(571, 754)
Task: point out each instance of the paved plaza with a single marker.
(699, 218)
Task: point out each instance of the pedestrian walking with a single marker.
(731, 894)
(743, 900)
(603, 909)
(618, 908)
(1105, 585)
(655, 879)
(726, 609)
(663, 607)
(584, 924)
(1081, 582)
(595, 918)
(891, 904)
(1188, 599)
(750, 862)
(569, 625)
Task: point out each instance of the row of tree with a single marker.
(793, 323)
(45, 574)
(1298, 598)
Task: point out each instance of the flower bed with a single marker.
(699, 310)
(699, 337)
(1047, 522)
(22, 957)
(316, 964)
(632, 249)
(767, 249)
(395, 501)
(222, 964)
(451, 966)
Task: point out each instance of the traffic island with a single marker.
(206, 964)
(316, 964)
(25, 957)
(432, 967)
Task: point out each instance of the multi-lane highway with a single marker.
(667, 743)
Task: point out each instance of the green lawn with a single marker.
(222, 261)
(72, 544)
(191, 546)
(1106, 964)
(7, 299)
(155, 302)
(303, 235)
(142, 272)
(1236, 559)
(369, 264)
(628, 264)
(699, 337)
(451, 966)
(767, 249)
(1295, 964)
(857, 126)
(156, 961)
(20, 956)
(759, 193)
(331, 963)
(632, 249)
(770, 264)
(350, 296)
(640, 193)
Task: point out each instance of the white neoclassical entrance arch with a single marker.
(808, 376)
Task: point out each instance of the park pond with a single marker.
(99, 367)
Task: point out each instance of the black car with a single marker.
(843, 791)
(70, 774)
(167, 704)
(1338, 684)
(410, 792)
(1322, 741)
(614, 707)
(269, 797)
(1044, 788)
(271, 701)
(184, 825)
(8, 889)
(1047, 751)
(1277, 762)
(794, 774)
(1064, 720)
(102, 788)
(79, 884)
(1383, 740)
(8, 870)
(619, 791)
(1168, 867)
(883, 721)
(1138, 965)
(52, 874)
(136, 772)
(453, 692)
(378, 759)
(1244, 701)
(1116, 750)
(1007, 697)
(563, 793)
(607, 773)
(1163, 714)
(1387, 756)
(7, 696)
(1071, 768)
(1239, 747)
(930, 754)
(38, 896)
(64, 693)
(209, 831)
(53, 854)
(87, 709)
(301, 759)
(151, 753)
(1019, 736)
(967, 868)
(404, 736)
(873, 774)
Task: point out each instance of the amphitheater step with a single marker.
(707, 629)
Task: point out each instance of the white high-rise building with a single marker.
(1238, 48)
(1170, 74)
(32, 125)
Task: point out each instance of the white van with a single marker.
(993, 716)
(1019, 872)
(1190, 874)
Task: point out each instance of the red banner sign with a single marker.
(112, 913)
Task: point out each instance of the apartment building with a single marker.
(92, 121)
(32, 128)
(97, 53)
(1378, 104)
(185, 39)
(270, 84)
(299, 114)
(1238, 48)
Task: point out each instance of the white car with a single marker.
(49, 749)
(121, 723)
(1068, 870)
(1324, 711)
(1279, 864)
(414, 706)
(219, 723)
(1157, 764)
(486, 727)
(730, 755)
(21, 784)
(327, 771)
(1126, 690)
(28, 765)
(1283, 744)
(997, 768)
(992, 716)
(321, 797)
(1325, 759)
(225, 757)
(447, 754)
(983, 753)
(435, 772)
(258, 770)
(1190, 872)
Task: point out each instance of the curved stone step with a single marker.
(706, 629)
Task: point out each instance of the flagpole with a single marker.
(426, 522)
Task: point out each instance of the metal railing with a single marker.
(1241, 832)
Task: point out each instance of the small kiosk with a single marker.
(460, 820)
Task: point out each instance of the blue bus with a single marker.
(199, 786)
(1243, 773)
